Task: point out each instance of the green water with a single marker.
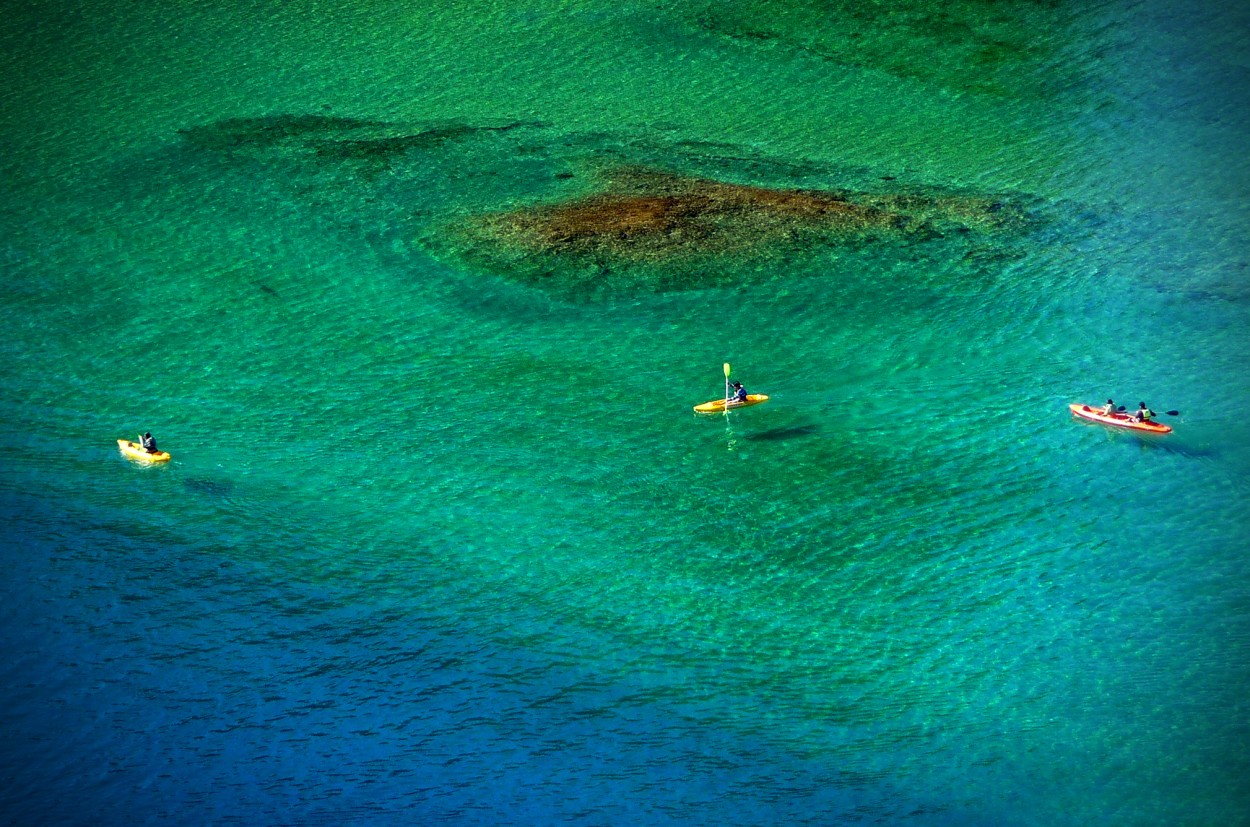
(908, 589)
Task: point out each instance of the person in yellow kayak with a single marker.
(1143, 414)
(739, 394)
(147, 443)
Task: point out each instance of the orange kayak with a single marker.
(133, 450)
(718, 405)
(1119, 420)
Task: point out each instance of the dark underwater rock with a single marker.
(648, 217)
(331, 137)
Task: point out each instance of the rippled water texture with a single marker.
(420, 299)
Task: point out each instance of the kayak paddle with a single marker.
(726, 387)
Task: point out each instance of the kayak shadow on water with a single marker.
(1172, 446)
(1168, 443)
(782, 434)
(208, 487)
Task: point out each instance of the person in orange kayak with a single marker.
(147, 442)
(739, 393)
(1109, 408)
(1143, 414)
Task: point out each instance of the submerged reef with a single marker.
(678, 231)
(656, 216)
(599, 215)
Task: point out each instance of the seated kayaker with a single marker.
(1143, 414)
(147, 443)
(739, 393)
(1109, 408)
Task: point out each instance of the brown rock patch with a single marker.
(651, 217)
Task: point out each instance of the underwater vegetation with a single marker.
(673, 229)
(646, 215)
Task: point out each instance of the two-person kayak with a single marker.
(1119, 420)
(135, 451)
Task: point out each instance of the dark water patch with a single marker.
(208, 487)
(234, 134)
(335, 138)
(1015, 49)
(1199, 294)
(387, 147)
(1224, 282)
(714, 155)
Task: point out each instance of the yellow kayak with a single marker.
(133, 450)
(718, 405)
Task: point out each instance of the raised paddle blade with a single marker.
(726, 370)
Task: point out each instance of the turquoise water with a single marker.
(439, 543)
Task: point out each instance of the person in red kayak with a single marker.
(147, 442)
(1109, 408)
(1143, 414)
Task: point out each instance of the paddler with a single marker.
(1143, 414)
(147, 443)
(739, 393)
(1109, 408)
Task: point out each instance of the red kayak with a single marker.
(1119, 420)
